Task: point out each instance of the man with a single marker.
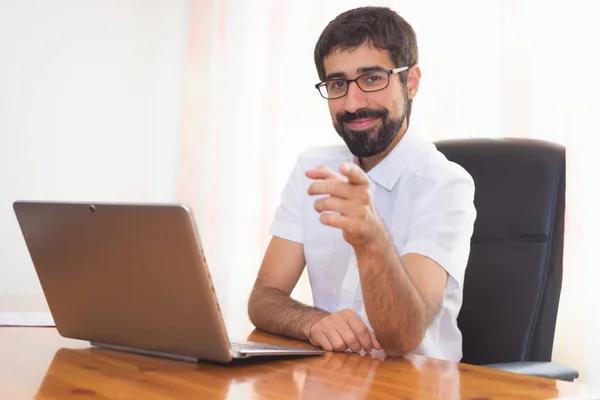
(384, 223)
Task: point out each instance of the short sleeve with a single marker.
(288, 215)
(441, 225)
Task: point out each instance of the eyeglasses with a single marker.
(371, 81)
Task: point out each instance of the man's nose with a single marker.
(355, 99)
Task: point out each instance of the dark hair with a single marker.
(379, 27)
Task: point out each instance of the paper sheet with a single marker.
(20, 318)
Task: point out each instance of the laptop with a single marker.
(131, 277)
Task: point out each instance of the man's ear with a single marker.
(414, 77)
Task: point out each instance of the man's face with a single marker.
(367, 121)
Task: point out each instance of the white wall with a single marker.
(90, 96)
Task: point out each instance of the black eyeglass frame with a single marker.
(355, 80)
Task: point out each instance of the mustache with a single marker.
(363, 113)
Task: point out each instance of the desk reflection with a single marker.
(108, 374)
(115, 374)
(112, 374)
(34, 368)
(332, 376)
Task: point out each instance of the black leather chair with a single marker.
(514, 274)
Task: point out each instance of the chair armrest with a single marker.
(538, 368)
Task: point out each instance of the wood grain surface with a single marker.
(36, 363)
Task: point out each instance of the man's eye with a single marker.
(373, 78)
(336, 85)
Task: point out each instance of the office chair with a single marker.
(514, 274)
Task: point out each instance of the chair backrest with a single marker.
(514, 274)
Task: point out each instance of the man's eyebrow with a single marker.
(361, 70)
(335, 75)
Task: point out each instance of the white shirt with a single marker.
(426, 203)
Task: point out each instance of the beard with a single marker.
(371, 141)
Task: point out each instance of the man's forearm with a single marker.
(274, 311)
(392, 302)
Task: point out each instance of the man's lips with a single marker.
(362, 123)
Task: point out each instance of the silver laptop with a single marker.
(131, 277)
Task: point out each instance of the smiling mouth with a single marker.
(360, 124)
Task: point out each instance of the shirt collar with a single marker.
(389, 170)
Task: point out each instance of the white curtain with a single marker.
(490, 69)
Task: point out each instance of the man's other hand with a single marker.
(342, 330)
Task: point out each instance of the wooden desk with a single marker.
(38, 363)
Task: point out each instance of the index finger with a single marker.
(323, 172)
(354, 173)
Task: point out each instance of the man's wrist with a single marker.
(306, 329)
(375, 242)
(312, 317)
